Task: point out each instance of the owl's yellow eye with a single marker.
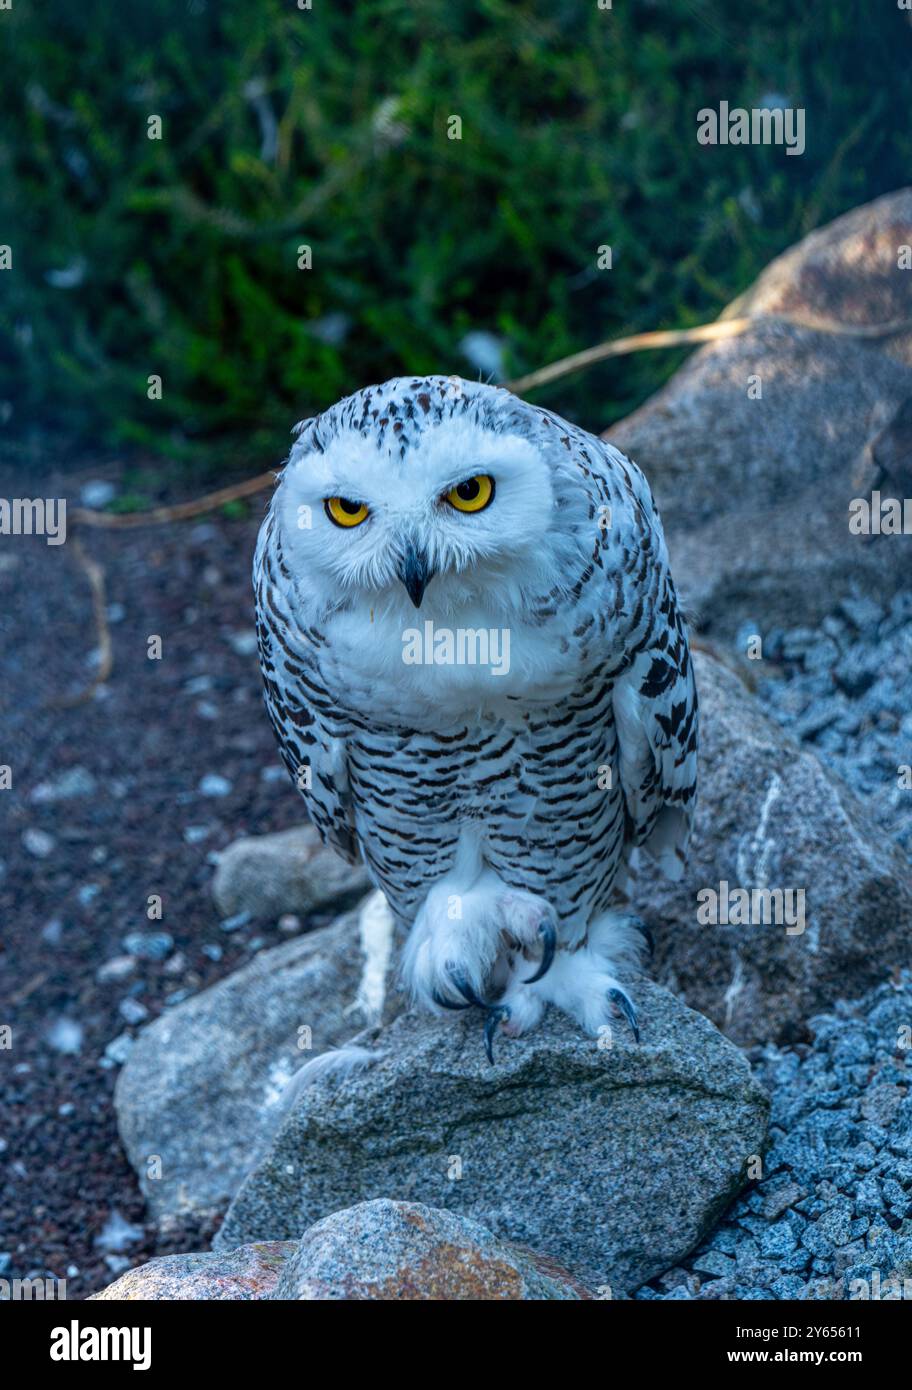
(343, 512)
(473, 495)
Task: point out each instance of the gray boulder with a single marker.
(290, 871)
(771, 816)
(249, 1273)
(404, 1251)
(609, 1157)
(755, 493)
(378, 1251)
(203, 1086)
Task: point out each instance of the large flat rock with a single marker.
(609, 1157)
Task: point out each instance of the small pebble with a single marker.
(244, 643)
(97, 493)
(231, 924)
(117, 968)
(194, 834)
(213, 784)
(118, 1233)
(118, 1050)
(131, 1011)
(65, 1035)
(52, 932)
(149, 945)
(38, 842)
(74, 783)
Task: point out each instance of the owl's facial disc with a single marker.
(466, 507)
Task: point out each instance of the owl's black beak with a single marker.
(415, 572)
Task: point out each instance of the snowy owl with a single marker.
(479, 676)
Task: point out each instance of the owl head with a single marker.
(432, 492)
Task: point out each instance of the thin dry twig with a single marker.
(95, 575)
(700, 333)
(27, 989)
(113, 521)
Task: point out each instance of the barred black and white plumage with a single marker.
(495, 807)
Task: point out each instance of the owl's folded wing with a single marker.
(655, 706)
(311, 740)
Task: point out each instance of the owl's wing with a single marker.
(311, 734)
(655, 707)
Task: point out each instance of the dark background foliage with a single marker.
(283, 126)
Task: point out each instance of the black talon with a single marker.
(448, 1003)
(496, 1014)
(460, 984)
(548, 932)
(467, 992)
(623, 1003)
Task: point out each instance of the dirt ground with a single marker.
(138, 825)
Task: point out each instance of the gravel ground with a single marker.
(835, 1203)
(845, 689)
(122, 797)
